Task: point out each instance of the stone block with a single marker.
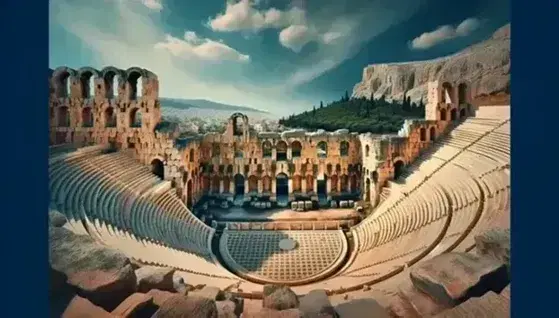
(154, 277)
(294, 205)
(300, 205)
(80, 307)
(361, 308)
(308, 205)
(333, 204)
(279, 297)
(134, 305)
(343, 204)
(317, 304)
(494, 243)
(452, 278)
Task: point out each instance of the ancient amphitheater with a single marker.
(139, 186)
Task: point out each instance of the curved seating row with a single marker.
(119, 202)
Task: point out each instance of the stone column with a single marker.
(260, 186)
(303, 184)
(328, 186)
(349, 189)
(288, 153)
(221, 187)
(273, 189)
(315, 185)
(246, 186)
(339, 184)
(289, 186)
(232, 186)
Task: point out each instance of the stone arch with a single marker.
(62, 81)
(267, 149)
(87, 117)
(239, 185)
(399, 165)
(446, 93)
(422, 134)
(432, 133)
(374, 176)
(63, 117)
(281, 151)
(368, 189)
(239, 126)
(463, 113)
(191, 155)
(135, 118)
(110, 117)
(157, 168)
(297, 183)
(344, 148)
(205, 183)
(453, 114)
(282, 185)
(87, 77)
(322, 149)
(296, 148)
(367, 149)
(113, 79)
(226, 184)
(216, 149)
(135, 77)
(462, 93)
(252, 183)
(443, 114)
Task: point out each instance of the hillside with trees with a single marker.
(358, 115)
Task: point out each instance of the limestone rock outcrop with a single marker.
(485, 66)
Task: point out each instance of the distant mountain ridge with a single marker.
(180, 103)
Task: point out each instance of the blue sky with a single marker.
(277, 55)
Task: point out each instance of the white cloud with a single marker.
(294, 37)
(244, 16)
(444, 33)
(122, 35)
(194, 48)
(153, 4)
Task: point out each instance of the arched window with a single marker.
(87, 84)
(135, 85)
(432, 133)
(191, 155)
(334, 183)
(63, 84)
(157, 168)
(266, 184)
(338, 167)
(215, 184)
(296, 149)
(87, 117)
(423, 134)
(63, 117)
(443, 114)
(343, 183)
(252, 184)
(310, 183)
(110, 117)
(136, 118)
(344, 148)
(238, 121)
(226, 184)
(367, 150)
(322, 149)
(281, 151)
(375, 177)
(267, 149)
(111, 80)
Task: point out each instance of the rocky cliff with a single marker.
(485, 66)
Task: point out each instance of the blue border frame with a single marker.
(534, 174)
(24, 177)
(24, 157)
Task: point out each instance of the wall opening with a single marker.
(462, 90)
(334, 183)
(423, 134)
(432, 133)
(253, 184)
(63, 117)
(135, 85)
(87, 117)
(239, 186)
(368, 190)
(110, 117)
(282, 187)
(343, 183)
(322, 149)
(216, 150)
(111, 84)
(353, 183)
(310, 183)
(281, 151)
(63, 85)
(321, 189)
(296, 149)
(453, 114)
(367, 150)
(398, 169)
(215, 184)
(135, 118)
(462, 112)
(157, 168)
(266, 184)
(189, 194)
(447, 93)
(267, 149)
(191, 155)
(87, 84)
(344, 148)
(296, 183)
(238, 124)
(375, 177)
(443, 114)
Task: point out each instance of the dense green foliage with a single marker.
(358, 115)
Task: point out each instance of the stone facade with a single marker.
(122, 107)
